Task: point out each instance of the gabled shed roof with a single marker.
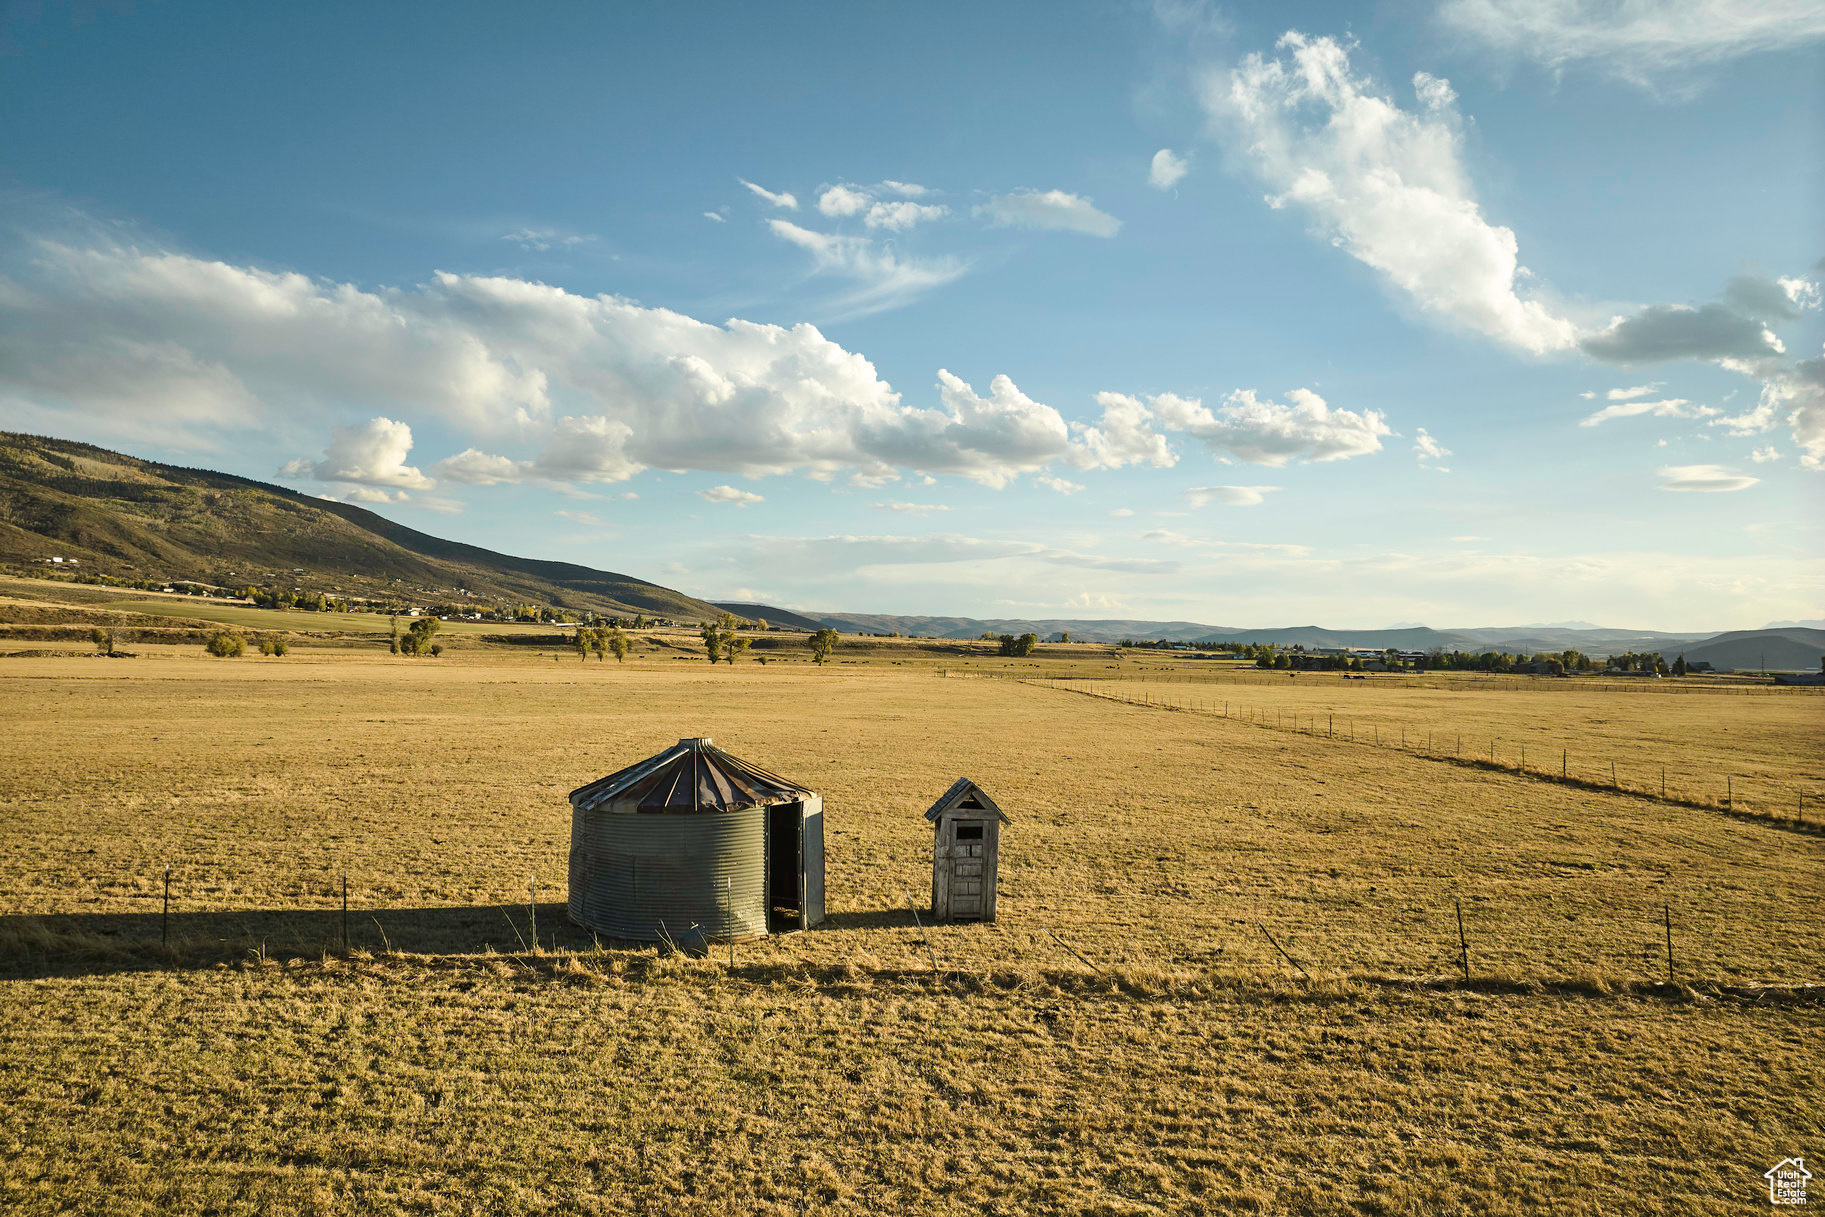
(964, 791)
(691, 776)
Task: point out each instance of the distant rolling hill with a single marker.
(771, 615)
(1786, 650)
(122, 516)
(973, 627)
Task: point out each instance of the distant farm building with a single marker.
(966, 853)
(694, 844)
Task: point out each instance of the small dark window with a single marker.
(969, 832)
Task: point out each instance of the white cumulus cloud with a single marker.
(838, 201)
(1267, 432)
(1166, 169)
(372, 454)
(1386, 184)
(1054, 209)
(545, 385)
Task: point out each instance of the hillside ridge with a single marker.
(121, 516)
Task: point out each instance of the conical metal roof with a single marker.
(692, 776)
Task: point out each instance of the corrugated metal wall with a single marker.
(631, 875)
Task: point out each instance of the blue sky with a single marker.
(1462, 312)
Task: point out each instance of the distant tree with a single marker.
(640, 621)
(822, 644)
(712, 640)
(1679, 666)
(225, 644)
(760, 623)
(617, 644)
(579, 642)
(103, 640)
(733, 648)
(1064, 636)
(1023, 645)
(265, 644)
(280, 647)
(417, 638)
(1281, 661)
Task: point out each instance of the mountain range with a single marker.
(120, 516)
(1785, 649)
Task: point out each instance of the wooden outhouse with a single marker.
(966, 848)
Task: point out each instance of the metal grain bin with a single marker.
(692, 845)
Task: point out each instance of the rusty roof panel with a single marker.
(691, 776)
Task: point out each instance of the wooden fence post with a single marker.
(1729, 794)
(1666, 912)
(164, 924)
(345, 910)
(532, 895)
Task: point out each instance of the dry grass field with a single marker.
(1759, 747)
(1124, 1040)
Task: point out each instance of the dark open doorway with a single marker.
(785, 867)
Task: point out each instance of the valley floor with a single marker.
(1124, 1040)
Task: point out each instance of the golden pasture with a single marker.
(1124, 1040)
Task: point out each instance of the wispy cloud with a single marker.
(729, 494)
(1049, 209)
(1228, 496)
(885, 279)
(916, 509)
(1704, 478)
(542, 239)
(1430, 451)
(1649, 43)
(1672, 407)
(781, 199)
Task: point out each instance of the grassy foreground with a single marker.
(1125, 1040)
